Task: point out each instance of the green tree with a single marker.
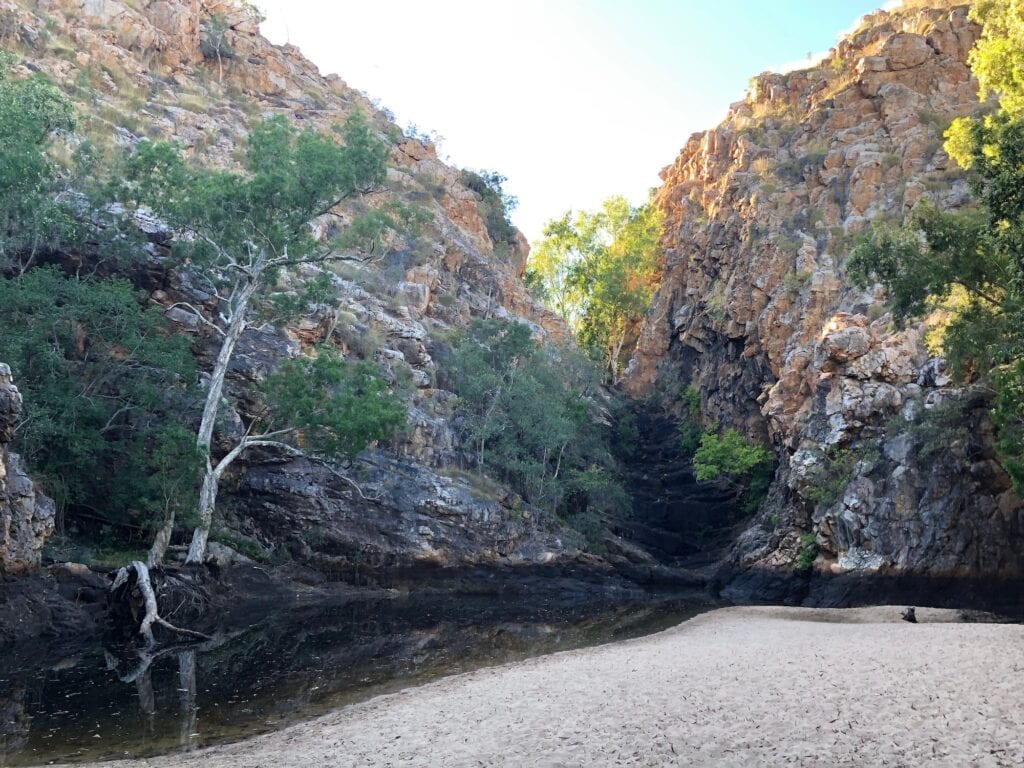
(599, 272)
(975, 257)
(104, 381)
(104, 385)
(31, 112)
(238, 231)
(997, 59)
(332, 407)
(529, 413)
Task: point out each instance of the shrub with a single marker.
(808, 551)
(104, 387)
(689, 427)
(940, 427)
(715, 303)
(497, 205)
(335, 406)
(794, 281)
(733, 460)
(831, 476)
(527, 413)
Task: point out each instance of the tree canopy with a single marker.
(599, 270)
(529, 413)
(31, 111)
(236, 232)
(105, 383)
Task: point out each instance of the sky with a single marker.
(572, 100)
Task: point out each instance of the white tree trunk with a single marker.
(162, 540)
(207, 505)
(208, 491)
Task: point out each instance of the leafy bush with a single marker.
(497, 204)
(336, 408)
(689, 427)
(830, 477)
(729, 458)
(104, 387)
(808, 551)
(939, 427)
(528, 413)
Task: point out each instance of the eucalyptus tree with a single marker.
(238, 231)
(598, 271)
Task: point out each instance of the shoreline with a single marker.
(734, 686)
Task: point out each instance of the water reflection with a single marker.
(107, 703)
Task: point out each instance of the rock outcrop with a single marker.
(26, 515)
(200, 73)
(884, 466)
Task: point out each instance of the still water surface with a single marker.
(102, 703)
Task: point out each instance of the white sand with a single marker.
(734, 687)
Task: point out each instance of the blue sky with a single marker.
(573, 100)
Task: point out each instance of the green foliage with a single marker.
(599, 272)
(690, 432)
(794, 281)
(808, 551)
(497, 204)
(830, 477)
(214, 44)
(691, 399)
(972, 263)
(528, 412)
(938, 428)
(714, 302)
(369, 232)
(104, 387)
(31, 111)
(957, 251)
(336, 408)
(291, 177)
(997, 59)
(731, 459)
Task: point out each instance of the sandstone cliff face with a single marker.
(26, 515)
(755, 310)
(158, 69)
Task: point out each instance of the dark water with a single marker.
(102, 704)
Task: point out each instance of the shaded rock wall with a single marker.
(26, 515)
(756, 312)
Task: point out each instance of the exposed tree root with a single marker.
(152, 614)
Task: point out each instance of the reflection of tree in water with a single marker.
(189, 738)
(15, 722)
(138, 671)
(277, 671)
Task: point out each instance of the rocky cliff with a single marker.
(26, 515)
(199, 72)
(884, 466)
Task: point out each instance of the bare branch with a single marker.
(199, 315)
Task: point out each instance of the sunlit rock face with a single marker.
(26, 515)
(199, 73)
(756, 310)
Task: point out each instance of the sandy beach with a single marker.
(733, 687)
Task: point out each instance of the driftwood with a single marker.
(151, 615)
